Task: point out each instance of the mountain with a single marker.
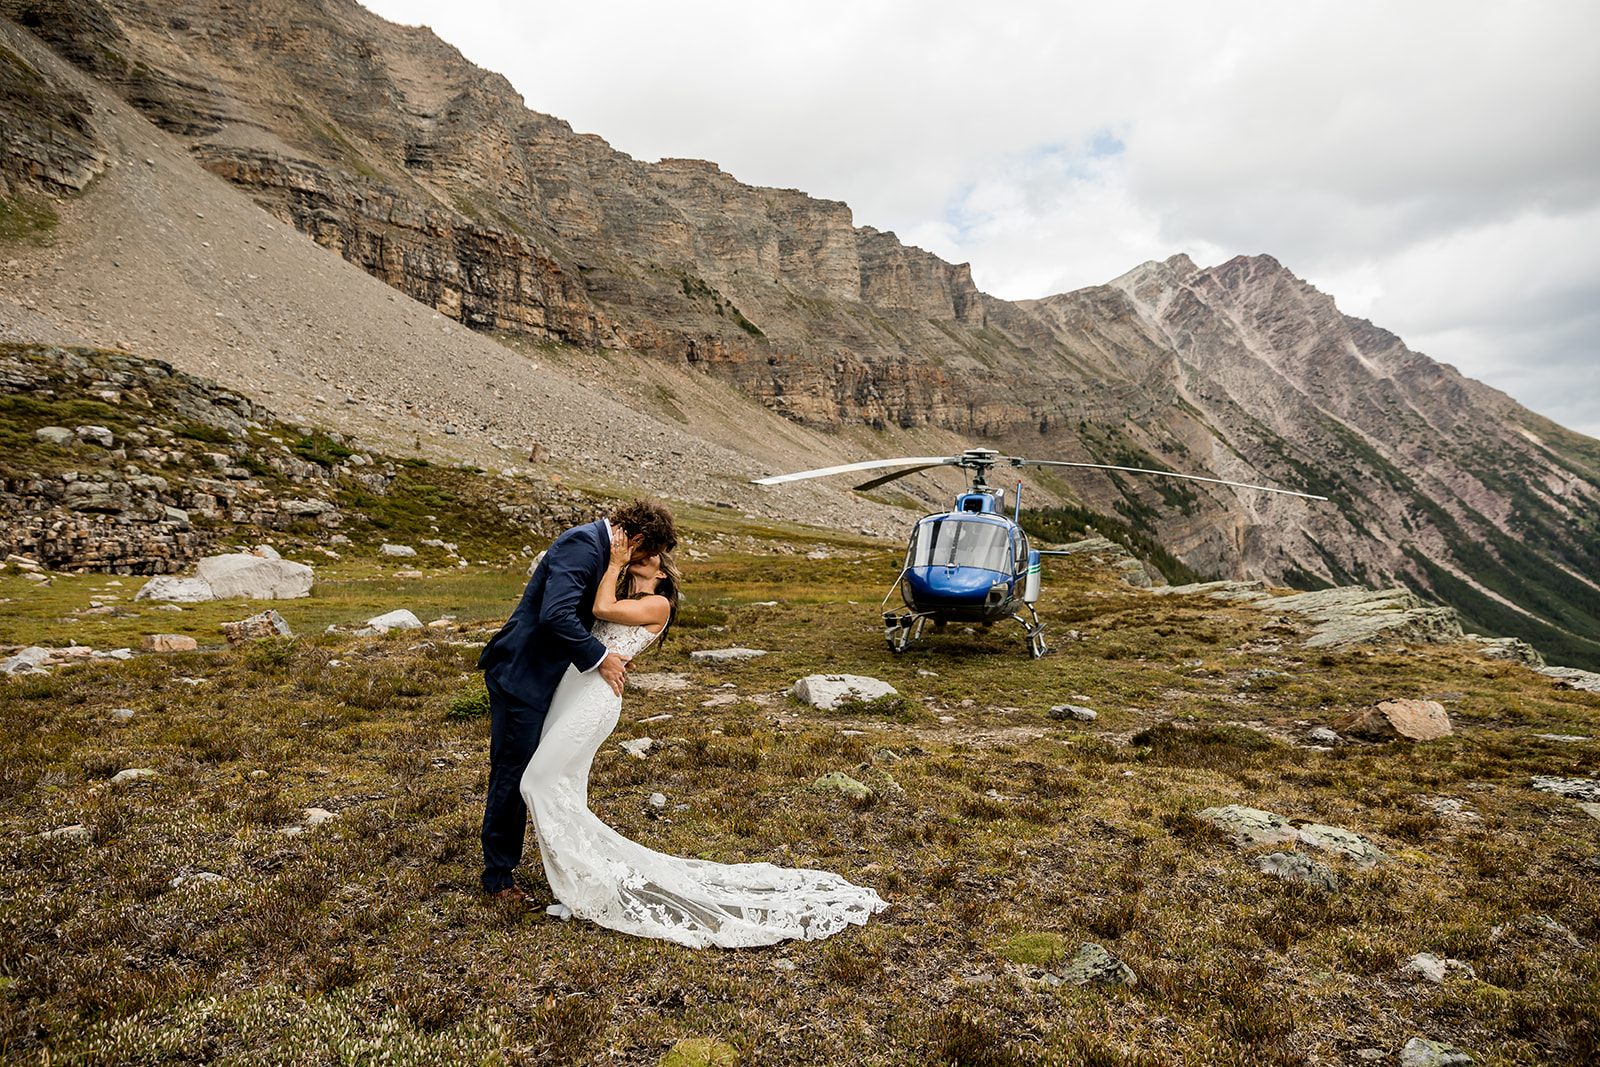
(810, 335)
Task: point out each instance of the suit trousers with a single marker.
(514, 728)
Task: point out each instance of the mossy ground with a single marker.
(1010, 840)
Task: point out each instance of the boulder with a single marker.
(1250, 826)
(828, 691)
(245, 575)
(1334, 839)
(256, 627)
(181, 590)
(168, 643)
(399, 619)
(725, 655)
(1417, 720)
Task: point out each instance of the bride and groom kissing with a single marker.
(556, 673)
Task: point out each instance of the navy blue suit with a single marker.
(522, 665)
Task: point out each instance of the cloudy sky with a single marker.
(1434, 166)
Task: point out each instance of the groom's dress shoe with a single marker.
(511, 894)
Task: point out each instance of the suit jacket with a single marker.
(550, 627)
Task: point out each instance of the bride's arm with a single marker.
(651, 611)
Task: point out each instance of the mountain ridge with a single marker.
(383, 145)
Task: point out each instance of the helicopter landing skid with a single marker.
(901, 631)
(1035, 629)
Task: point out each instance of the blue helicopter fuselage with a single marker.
(968, 565)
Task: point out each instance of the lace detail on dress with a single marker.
(602, 876)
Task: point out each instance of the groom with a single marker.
(524, 662)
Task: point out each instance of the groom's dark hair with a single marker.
(651, 520)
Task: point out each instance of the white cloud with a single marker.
(1433, 165)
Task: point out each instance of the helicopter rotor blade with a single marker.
(865, 465)
(881, 479)
(1018, 462)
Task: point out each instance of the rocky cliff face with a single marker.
(386, 146)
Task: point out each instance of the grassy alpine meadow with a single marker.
(291, 874)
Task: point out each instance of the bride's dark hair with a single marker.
(669, 585)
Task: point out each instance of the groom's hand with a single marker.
(614, 669)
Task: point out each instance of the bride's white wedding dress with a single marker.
(604, 877)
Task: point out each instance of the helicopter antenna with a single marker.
(1019, 462)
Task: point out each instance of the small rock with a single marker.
(1371, 1054)
(317, 816)
(132, 774)
(1298, 867)
(97, 435)
(29, 661)
(700, 1052)
(638, 747)
(784, 965)
(1073, 711)
(266, 552)
(267, 624)
(1321, 735)
(168, 643)
(197, 878)
(396, 550)
(182, 590)
(1093, 965)
(1434, 969)
(75, 832)
(724, 655)
(1540, 927)
(839, 782)
(1576, 788)
(1422, 1052)
(399, 619)
(658, 800)
(56, 435)
(828, 691)
(1592, 810)
(1565, 739)
(122, 714)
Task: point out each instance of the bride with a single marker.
(598, 874)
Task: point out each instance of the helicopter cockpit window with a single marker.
(946, 542)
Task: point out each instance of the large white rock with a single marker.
(171, 587)
(399, 619)
(828, 691)
(244, 575)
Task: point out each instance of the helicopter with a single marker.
(973, 563)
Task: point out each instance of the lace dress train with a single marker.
(606, 878)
